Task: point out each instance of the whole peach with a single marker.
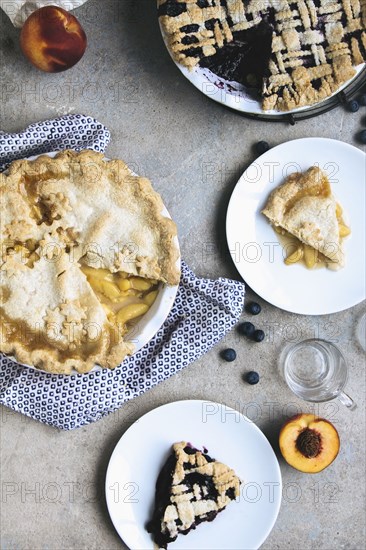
(52, 39)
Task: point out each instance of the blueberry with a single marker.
(253, 308)
(362, 136)
(258, 336)
(353, 106)
(362, 100)
(261, 147)
(252, 377)
(228, 354)
(247, 329)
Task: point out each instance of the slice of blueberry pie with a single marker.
(191, 488)
(297, 52)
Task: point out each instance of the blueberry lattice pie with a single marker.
(191, 488)
(84, 246)
(297, 52)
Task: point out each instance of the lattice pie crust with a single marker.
(315, 43)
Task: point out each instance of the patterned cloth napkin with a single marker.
(203, 312)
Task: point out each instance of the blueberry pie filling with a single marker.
(191, 488)
(296, 52)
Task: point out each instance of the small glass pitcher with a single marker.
(316, 371)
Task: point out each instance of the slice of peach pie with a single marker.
(84, 248)
(304, 208)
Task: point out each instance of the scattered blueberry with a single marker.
(247, 329)
(228, 354)
(253, 308)
(252, 377)
(258, 335)
(362, 136)
(362, 100)
(353, 106)
(261, 147)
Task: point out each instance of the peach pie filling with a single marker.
(85, 246)
(305, 213)
(124, 298)
(309, 256)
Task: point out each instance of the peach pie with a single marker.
(304, 208)
(84, 248)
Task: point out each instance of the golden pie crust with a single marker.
(58, 215)
(305, 207)
(314, 46)
(192, 488)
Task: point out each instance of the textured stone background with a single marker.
(168, 131)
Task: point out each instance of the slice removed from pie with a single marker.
(191, 488)
(304, 207)
(85, 247)
(294, 53)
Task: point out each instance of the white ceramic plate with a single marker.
(229, 437)
(254, 245)
(236, 95)
(146, 328)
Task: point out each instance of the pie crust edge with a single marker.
(46, 358)
(291, 196)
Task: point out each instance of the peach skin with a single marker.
(52, 39)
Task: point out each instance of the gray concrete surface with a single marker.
(52, 482)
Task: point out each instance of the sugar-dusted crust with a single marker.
(56, 213)
(192, 487)
(315, 49)
(305, 207)
(315, 46)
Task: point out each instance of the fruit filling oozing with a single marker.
(301, 252)
(192, 488)
(124, 298)
(245, 59)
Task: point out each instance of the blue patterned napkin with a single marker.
(66, 132)
(203, 312)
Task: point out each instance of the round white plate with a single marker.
(255, 248)
(229, 437)
(235, 95)
(146, 327)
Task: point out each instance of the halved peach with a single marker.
(309, 443)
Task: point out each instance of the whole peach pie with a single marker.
(84, 248)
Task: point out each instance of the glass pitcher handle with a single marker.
(347, 401)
